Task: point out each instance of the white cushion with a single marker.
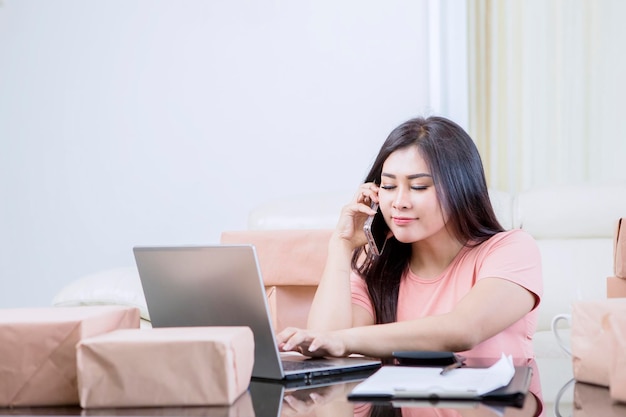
(502, 203)
(573, 270)
(546, 346)
(585, 210)
(118, 286)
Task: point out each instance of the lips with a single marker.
(402, 221)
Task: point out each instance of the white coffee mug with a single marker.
(555, 330)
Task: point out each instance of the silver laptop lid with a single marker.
(218, 285)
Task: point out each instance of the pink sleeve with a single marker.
(360, 295)
(516, 258)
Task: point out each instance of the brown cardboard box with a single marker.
(615, 325)
(290, 305)
(591, 347)
(38, 350)
(620, 249)
(292, 263)
(178, 366)
(286, 257)
(615, 287)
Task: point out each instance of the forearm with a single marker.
(437, 333)
(474, 319)
(332, 305)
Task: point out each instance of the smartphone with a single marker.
(376, 231)
(427, 358)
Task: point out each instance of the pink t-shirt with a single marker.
(512, 255)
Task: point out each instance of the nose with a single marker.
(401, 200)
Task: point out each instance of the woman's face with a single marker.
(407, 197)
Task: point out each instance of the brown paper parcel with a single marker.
(289, 305)
(591, 348)
(178, 366)
(615, 287)
(620, 249)
(38, 350)
(615, 325)
(286, 257)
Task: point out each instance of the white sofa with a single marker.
(573, 225)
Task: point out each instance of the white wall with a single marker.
(127, 122)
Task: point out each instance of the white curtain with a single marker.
(447, 59)
(546, 84)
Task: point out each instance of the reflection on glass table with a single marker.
(588, 400)
(329, 398)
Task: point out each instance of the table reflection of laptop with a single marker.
(273, 399)
(221, 285)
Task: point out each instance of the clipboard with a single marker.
(515, 392)
(512, 394)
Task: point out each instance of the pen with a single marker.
(450, 367)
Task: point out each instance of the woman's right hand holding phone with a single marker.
(353, 216)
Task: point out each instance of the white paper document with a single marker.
(421, 382)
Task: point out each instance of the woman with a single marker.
(449, 278)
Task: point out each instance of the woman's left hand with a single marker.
(312, 343)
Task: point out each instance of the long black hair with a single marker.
(461, 188)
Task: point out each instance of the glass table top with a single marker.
(553, 392)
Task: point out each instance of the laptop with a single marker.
(221, 285)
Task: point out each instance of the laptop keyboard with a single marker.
(302, 365)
